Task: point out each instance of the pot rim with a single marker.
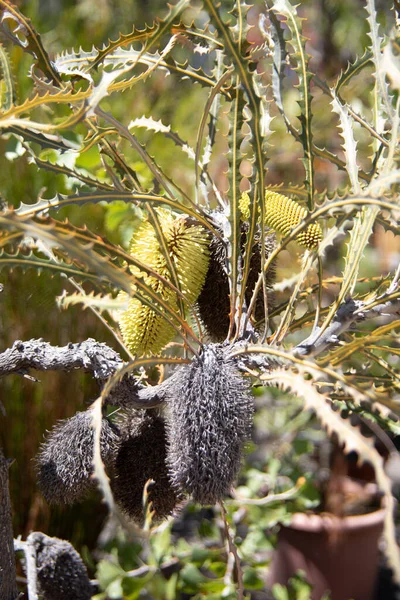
(329, 522)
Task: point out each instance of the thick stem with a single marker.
(8, 585)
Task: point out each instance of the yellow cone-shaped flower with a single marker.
(283, 214)
(145, 331)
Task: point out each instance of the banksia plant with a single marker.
(209, 418)
(64, 463)
(140, 459)
(283, 214)
(144, 330)
(61, 572)
(200, 266)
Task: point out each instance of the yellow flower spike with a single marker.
(244, 206)
(283, 214)
(145, 331)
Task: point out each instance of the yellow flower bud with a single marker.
(283, 214)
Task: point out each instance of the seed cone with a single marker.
(61, 572)
(64, 463)
(143, 329)
(213, 301)
(209, 419)
(142, 456)
(283, 214)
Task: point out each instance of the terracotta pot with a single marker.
(337, 554)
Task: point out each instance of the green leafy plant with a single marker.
(190, 226)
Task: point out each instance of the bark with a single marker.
(8, 585)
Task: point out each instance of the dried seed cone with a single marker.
(283, 214)
(64, 463)
(142, 456)
(61, 572)
(213, 302)
(143, 329)
(209, 419)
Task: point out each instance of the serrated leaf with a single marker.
(42, 206)
(32, 43)
(158, 127)
(7, 91)
(286, 9)
(391, 61)
(31, 261)
(350, 145)
(377, 43)
(72, 173)
(233, 50)
(352, 69)
(102, 302)
(337, 356)
(57, 142)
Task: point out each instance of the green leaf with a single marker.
(252, 579)
(108, 572)
(280, 592)
(160, 543)
(132, 586)
(191, 576)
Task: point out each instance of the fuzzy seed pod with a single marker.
(209, 419)
(61, 572)
(64, 463)
(283, 214)
(213, 302)
(142, 456)
(144, 331)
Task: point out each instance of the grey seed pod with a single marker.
(61, 572)
(209, 419)
(64, 463)
(142, 456)
(213, 301)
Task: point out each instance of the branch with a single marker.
(30, 566)
(8, 585)
(349, 313)
(90, 355)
